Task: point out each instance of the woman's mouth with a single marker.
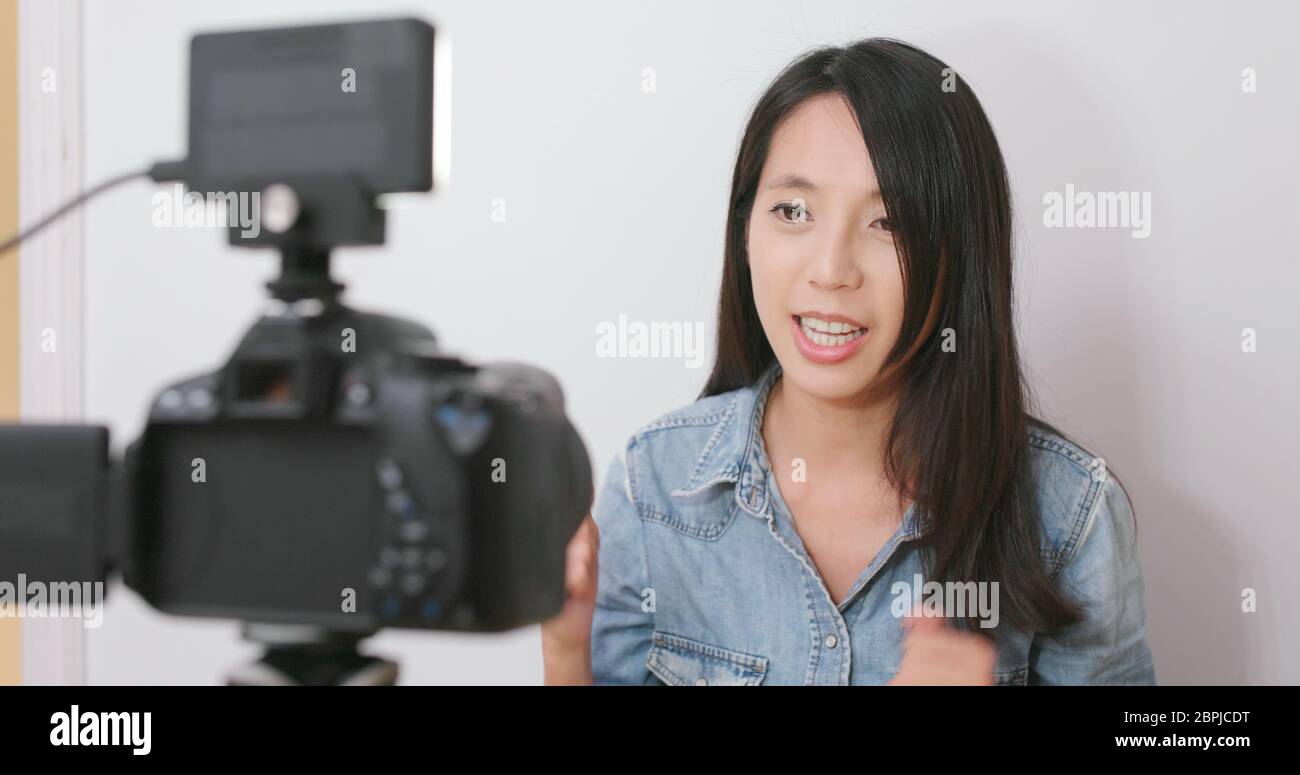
(826, 341)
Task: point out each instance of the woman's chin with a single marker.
(832, 383)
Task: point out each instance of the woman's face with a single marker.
(826, 277)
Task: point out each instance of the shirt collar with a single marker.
(736, 454)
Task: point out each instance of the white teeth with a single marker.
(827, 326)
(828, 336)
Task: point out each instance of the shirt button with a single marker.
(701, 682)
(831, 640)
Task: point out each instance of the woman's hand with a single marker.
(934, 653)
(566, 638)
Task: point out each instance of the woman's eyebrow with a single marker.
(792, 180)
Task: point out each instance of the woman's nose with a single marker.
(834, 262)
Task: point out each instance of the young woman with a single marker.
(860, 495)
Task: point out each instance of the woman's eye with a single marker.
(792, 212)
(883, 223)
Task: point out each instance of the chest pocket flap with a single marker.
(679, 661)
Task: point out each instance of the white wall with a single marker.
(615, 204)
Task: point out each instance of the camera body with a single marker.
(339, 471)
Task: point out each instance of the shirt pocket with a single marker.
(679, 661)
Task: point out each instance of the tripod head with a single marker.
(309, 656)
(305, 227)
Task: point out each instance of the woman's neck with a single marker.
(829, 435)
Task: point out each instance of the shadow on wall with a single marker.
(1084, 352)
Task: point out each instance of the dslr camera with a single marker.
(339, 473)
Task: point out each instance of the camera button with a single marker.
(435, 560)
(358, 394)
(400, 503)
(431, 610)
(380, 577)
(414, 531)
(390, 557)
(413, 583)
(389, 473)
(392, 607)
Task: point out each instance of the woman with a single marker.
(860, 495)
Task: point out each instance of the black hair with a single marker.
(959, 442)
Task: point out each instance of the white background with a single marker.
(615, 203)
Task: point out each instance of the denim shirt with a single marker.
(704, 580)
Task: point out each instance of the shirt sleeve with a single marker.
(623, 621)
(1104, 579)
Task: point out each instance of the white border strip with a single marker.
(50, 285)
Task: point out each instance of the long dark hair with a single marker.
(959, 444)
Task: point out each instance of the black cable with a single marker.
(159, 172)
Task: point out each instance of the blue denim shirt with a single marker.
(704, 580)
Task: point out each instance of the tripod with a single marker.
(298, 655)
